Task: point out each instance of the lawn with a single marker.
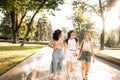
(12, 54)
(114, 53)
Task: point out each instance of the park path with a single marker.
(37, 67)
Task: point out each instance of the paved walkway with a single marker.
(37, 67)
(34, 63)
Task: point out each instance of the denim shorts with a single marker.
(86, 56)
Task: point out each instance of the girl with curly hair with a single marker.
(57, 44)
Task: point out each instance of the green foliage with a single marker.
(110, 42)
(112, 39)
(23, 29)
(82, 21)
(44, 29)
(17, 8)
(5, 28)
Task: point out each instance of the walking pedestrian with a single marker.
(70, 49)
(86, 50)
(57, 44)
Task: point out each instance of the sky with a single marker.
(61, 17)
(112, 19)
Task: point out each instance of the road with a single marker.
(100, 70)
(104, 70)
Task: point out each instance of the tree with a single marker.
(110, 42)
(23, 29)
(44, 29)
(5, 29)
(44, 4)
(103, 29)
(81, 21)
(112, 38)
(100, 8)
(16, 10)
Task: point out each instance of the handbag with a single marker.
(80, 53)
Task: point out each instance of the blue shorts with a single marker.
(86, 56)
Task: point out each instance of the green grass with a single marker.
(114, 53)
(12, 54)
(13, 48)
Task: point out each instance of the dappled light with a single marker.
(59, 39)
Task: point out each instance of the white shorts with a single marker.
(69, 56)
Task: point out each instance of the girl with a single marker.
(87, 50)
(71, 44)
(57, 44)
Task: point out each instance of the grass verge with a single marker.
(11, 55)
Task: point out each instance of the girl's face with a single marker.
(86, 37)
(73, 35)
(60, 35)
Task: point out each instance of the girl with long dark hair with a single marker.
(70, 49)
(57, 44)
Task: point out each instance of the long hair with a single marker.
(68, 37)
(56, 34)
(88, 36)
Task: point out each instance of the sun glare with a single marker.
(112, 20)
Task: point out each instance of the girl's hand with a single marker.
(74, 54)
(78, 58)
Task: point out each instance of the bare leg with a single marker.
(87, 67)
(72, 66)
(83, 63)
(69, 69)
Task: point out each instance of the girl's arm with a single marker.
(50, 44)
(65, 47)
(92, 49)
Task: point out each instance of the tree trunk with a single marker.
(29, 26)
(15, 25)
(13, 19)
(103, 29)
(119, 36)
(103, 35)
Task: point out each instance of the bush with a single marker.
(110, 42)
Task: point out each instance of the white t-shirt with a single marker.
(71, 44)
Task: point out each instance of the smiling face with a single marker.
(87, 37)
(72, 35)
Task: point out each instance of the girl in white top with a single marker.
(87, 50)
(71, 44)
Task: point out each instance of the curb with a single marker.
(109, 58)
